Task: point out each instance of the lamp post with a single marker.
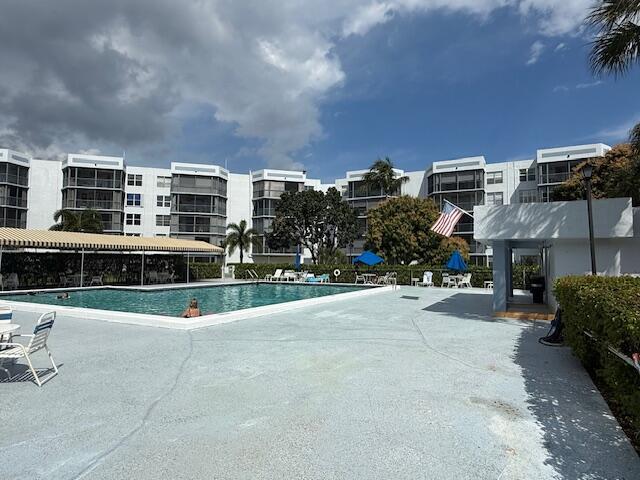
(587, 171)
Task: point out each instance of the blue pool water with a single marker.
(172, 302)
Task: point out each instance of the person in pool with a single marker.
(192, 310)
(64, 296)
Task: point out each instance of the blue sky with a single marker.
(327, 85)
(432, 87)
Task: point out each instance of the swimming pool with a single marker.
(172, 302)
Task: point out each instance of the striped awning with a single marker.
(17, 237)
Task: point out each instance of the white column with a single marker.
(142, 271)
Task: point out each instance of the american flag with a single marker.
(448, 220)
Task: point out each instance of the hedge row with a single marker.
(202, 271)
(608, 308)
(405, 272)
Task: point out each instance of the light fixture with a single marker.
(587, 171)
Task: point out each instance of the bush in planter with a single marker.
(609, 308)
(203, 271)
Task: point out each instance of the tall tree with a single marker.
(399, 230)
(87, 221)
(240, 237)
(315, 220)
(617, 44)
(382, 176)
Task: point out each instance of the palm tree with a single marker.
(617, 45)
(382, 176)
(240, 237)
(88, 221)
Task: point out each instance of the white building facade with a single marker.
(198, 201)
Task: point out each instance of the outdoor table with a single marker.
(458, 279)
(369, 278)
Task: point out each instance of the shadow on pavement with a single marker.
(581, 436)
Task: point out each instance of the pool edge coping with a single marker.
(177, 323)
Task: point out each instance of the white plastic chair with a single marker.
(360, 278)
(275, 276)
(427, 280)
(38, 341)
(466, 281)
(96, 280)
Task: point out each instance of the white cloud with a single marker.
(561, 46)
(618, 132)
(535, 52)
(560, 88)
(581, 86)
(115, 74)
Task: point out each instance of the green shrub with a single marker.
(609, 308)
(198, 271)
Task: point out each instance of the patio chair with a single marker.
(276, 276)
(289, 276)
(392, 279)
(12, 282)
(38, 341)
(153, 277)
(96, 280)
(466, 281)
(383, 279)
(427, 280)
(360, 278)
(448, 281)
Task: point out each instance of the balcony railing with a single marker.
(212, 229)
(94, 204)
(269, 193)
(13, 223)
(554, 178)
(264, 212)
(177, 187)
(14, 179)
(13, 202)
(198, 209)
(93, 183)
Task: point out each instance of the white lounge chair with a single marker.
(427, 280)
(38, 341)
(289, 276)
(12, 282)
(276, 276)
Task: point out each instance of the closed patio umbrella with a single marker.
(457, 263)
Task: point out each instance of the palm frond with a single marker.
(634, 139)
(616, 49)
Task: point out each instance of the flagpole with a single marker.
(461, 209)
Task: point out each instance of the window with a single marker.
(134, 180)
(494, 198)
(134, 200)
(494, 177)
(161, 235)
(131, 234)
(527, 196)
(163, 220)
(133, 219)
(163, 201)
(164, 182)
(527, 175)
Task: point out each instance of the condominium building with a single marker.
(198, 201)
(14, 187)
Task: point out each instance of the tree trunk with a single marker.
(241, 253)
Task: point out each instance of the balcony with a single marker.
(14, 179)
(554, 178)
(92, 183)
(93, 204)
(13, 223)
(18, 202)
(203, 209)
(189, 228)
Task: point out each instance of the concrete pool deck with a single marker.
(416, 383)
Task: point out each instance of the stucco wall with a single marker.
(45, 193)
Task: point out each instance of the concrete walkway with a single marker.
(418, 383)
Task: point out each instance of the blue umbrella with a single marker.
(297, 261)
(368, 258)
(456, 262)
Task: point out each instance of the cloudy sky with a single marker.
(324, 85)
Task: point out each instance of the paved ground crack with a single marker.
(97, 460)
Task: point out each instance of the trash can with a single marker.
(537, 289)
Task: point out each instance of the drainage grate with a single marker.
(407, 297)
